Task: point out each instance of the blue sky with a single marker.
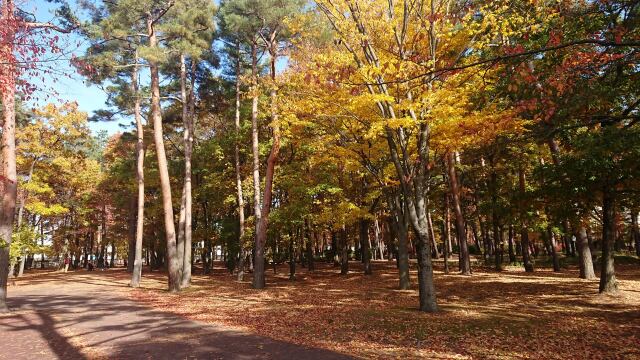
(71, 87)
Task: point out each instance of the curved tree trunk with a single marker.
(261, 233)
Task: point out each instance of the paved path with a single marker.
(80, 317)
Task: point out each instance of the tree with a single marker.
(20, 45)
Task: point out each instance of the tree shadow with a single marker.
(78, 322)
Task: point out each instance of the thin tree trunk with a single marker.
(400, 224)
(461, 233)
(258, 263)
(608, 283)
(261, 233)
(364, 243)
(236, 153)
(446, 237)
(188, 118)
(512, 254)
(497, 234)
(524, 231)
(344, 252)
(635, 231)
(136, 273)
(551, 237)
(173, 266)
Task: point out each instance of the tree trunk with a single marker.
(524, 231)
(551, 246)
(188, 118)
(9, 176)
(344, 251)
(635, 231)
(136, 273)
(400, 224)
(364, 243)
(436, 253)
(310, 255)
(261, 233)
(585, 262)
(461, 233)
(512, 254)
(236, 155)
(446, 237)
(173, 265)
(497, 234)
(21, 265)
(608, 283)
(258, 263)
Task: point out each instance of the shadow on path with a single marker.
(85, 320)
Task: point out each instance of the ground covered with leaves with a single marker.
(489, 315)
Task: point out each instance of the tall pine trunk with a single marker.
(137, 257)
(173, 266)
(258, 263)
(188, 118)
(261, 233)
(236, 155)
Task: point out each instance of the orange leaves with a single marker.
(509, 315)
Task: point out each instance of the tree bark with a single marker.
(261, 233)
(188, 118)
(446, 237)
(461, 233)
(512, 254)
(400, 224)
(309, 250)
(9, 175)
(344, 251)
(136, 273)
(436, 253)
(635, 231)
(173, 266)
(524, 230)
(236, 155)
(364, 243)
(608, 283)
(585, 262)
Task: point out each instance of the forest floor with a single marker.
(489, 315)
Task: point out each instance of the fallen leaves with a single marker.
(509, 315)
